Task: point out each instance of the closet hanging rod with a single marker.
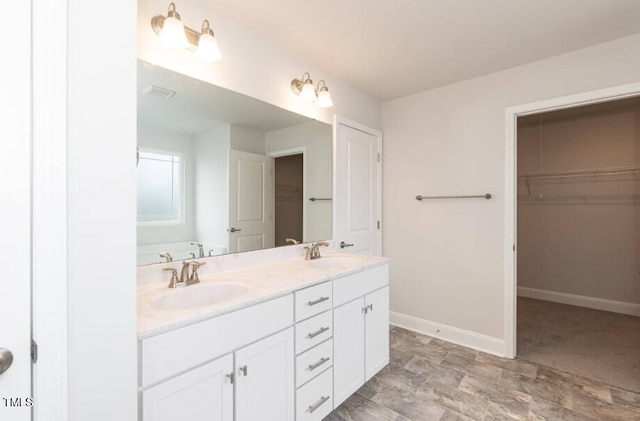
(313, 199)
(473, 196)
(594, 172)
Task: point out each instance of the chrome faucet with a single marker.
(185, 279)
(200, 248)
(167, 256)
(291, 241)
(313, 252)
(184, 274)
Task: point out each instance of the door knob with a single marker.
(6, 359)
(343, 244)
(234, 229)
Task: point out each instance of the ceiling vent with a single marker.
(158, 92)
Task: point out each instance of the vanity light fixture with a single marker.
(208, 44)
(170, 29)
(304, 88)
(324, 98)
(174, 34)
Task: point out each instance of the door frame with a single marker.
(301, 150)
(511, 172)
(337, 120)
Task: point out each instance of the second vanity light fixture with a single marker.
(174, 34)
(305, 89)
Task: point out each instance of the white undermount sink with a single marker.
(199, 295)
(329, 262)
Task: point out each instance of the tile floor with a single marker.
(429, 379)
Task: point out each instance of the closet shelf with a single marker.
(633, 171)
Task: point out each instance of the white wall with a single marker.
(183, 144)
(247, 140)
(250, 65)
(101, 203)
(447, 256)
(317, 140)
(212, 185)
(580, 235)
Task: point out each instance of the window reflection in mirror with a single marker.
(159, 188)
(213, 170)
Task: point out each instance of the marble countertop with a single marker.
(262, 283)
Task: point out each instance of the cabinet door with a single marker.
(202, 394)
(265, 379)
(376, 331)
(348, 350)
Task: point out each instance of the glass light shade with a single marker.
(172, 33)
(324, 99)
(208, 48)
(308, 92)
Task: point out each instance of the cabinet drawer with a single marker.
(313, 331)
(314, 400)
(313, 300)
(353, 286)
(313, 362)
(181, 349)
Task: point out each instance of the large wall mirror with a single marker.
(219, 172)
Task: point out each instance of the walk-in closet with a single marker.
(578, 241)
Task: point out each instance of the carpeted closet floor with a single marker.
(595, 344)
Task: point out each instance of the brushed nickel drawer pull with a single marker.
(318, 301)
(318, 332)
(231, 377)
(318, 364)
(312, 408)
(244, 370)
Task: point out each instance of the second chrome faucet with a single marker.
(313, 252)
(186, 278)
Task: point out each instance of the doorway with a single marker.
(575, 174)
(288, 203)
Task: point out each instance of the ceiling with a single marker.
(395, 48)
(199, 106)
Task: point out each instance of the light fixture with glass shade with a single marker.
(208, 45)
(324, 98)
(174, 34)
(304, 89)
(171, 29)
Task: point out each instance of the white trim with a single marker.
(337, 120)
(621, 307)
(453, 334)
(512, 114)
(49, 265)
(305, 218)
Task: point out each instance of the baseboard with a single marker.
(621, 307)
(456, 335)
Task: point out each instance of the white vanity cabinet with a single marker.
(183, 376)
(291, 358)
(205, 393)
(361, 330)
(265, 379)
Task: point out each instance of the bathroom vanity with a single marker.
(289, 340)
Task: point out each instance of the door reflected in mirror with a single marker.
(220, 172)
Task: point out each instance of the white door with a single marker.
(357, 202)
(15, 223)
(202, 394)
(265, 379)
(348, 350)
(376, 332)
(250, 202)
